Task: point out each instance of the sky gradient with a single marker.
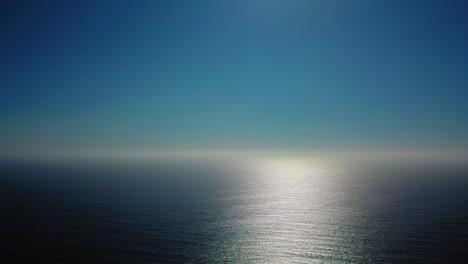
(253, 74)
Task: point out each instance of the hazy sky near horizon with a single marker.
(233, 74)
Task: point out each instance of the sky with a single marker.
(246, 74)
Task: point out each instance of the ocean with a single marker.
(271, 211)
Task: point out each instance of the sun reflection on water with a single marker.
(286, 211)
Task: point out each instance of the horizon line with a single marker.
(132, 154)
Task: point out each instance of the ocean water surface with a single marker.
(267, 211)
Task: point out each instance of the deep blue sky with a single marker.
(233, 74)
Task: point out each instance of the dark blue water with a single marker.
(197, 212)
